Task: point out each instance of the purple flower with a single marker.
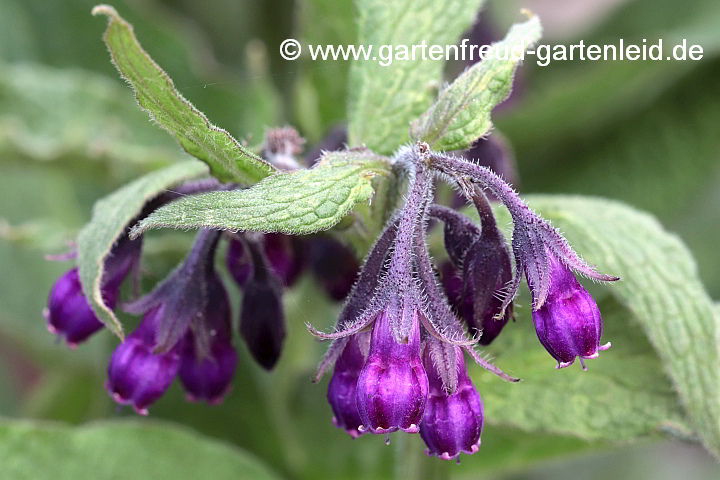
(284, 254)
(393, 387)
(569, 323)
(207, 377)
(136, 375)
(69, 313)
(452, 422)
(343, 386)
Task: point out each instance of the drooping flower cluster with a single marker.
(398, 348)
(186, 328)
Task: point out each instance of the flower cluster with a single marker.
(186, 328)
(398, 348)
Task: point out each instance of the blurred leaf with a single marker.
(321, 87)
(660, 291)
(297, 202)
(461, 114)
(385, 99)
(111, 216)
(46, 114)
(156, 93)
(118, 450)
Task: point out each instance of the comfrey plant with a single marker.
(409, 323)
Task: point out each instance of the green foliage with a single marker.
(385, 99)
(110, 219)
(662, 293)
(461, 114)
(156, 93)
(50, 114)
(116, 450)
(297, 202)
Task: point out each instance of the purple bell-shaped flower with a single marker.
(343, 386)
(452, 422)
(136, 375)
(393, 387)
(569, 323)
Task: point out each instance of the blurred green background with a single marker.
(647, 133)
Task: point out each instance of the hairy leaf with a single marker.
(298, 202)
(120, 449)
(110, 219)
(156, 93)
(461, 113)
(625, 392)
(385, 99)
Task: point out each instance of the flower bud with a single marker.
(569, 323)
(136, 375)
(207, 377)
(262, 321)
(452, 423)
(343, 387)
(69, 314)
(393, 387)
(284, 254)
(334, 265)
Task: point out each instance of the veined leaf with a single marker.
(385, 99)
(110, 219)
(661, 293)
(461, 113)
(298, 202)
(121, 449)
(156, 93)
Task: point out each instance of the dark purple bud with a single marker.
(487, 271)
(452, 423)
(284, 253)
(569, 323)
(343, 386)
(452, 283)
(262, 321)
(207, 377)
(136, 375)
(334, 265)
(392, 388)
(238, 262)
(69, 314)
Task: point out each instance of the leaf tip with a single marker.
(103, 9)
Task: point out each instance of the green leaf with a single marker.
(50, 114)
(385, 99)
(320, 99)
(461, 113)
(156, 93)
(298, 202)
(110, 219)
(117, 450)
(624, 393)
